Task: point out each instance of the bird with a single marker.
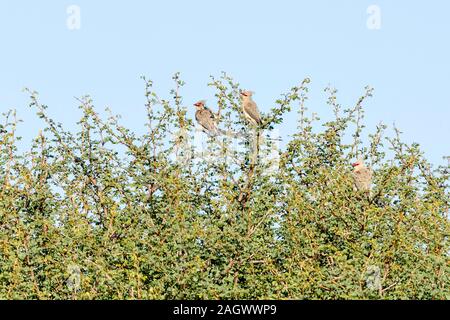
(206, 118)
(250, 109)
(362, 177)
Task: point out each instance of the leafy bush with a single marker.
(104, 213)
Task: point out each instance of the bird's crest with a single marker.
(200, 103)
(247, 93)
(359, 162)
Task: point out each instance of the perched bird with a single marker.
(250, 108)
(362, 176)
(205, 118)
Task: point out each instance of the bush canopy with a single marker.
(106, 213)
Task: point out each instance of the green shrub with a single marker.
(104, 213)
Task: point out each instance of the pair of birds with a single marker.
(208, 120)
(362, 176)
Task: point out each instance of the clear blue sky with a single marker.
(268, 46)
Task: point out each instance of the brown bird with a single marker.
(250, 109)
(362, 176)
(205, 118)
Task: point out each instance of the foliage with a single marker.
(104, 213)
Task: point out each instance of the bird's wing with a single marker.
(366, 174)
(252, 111)
(363, 178)
(357, 180)
(206, 119)
(197, 115)
(212, 114)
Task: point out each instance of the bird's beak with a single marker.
(355, 164)
(243, 94)
(197, 104)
